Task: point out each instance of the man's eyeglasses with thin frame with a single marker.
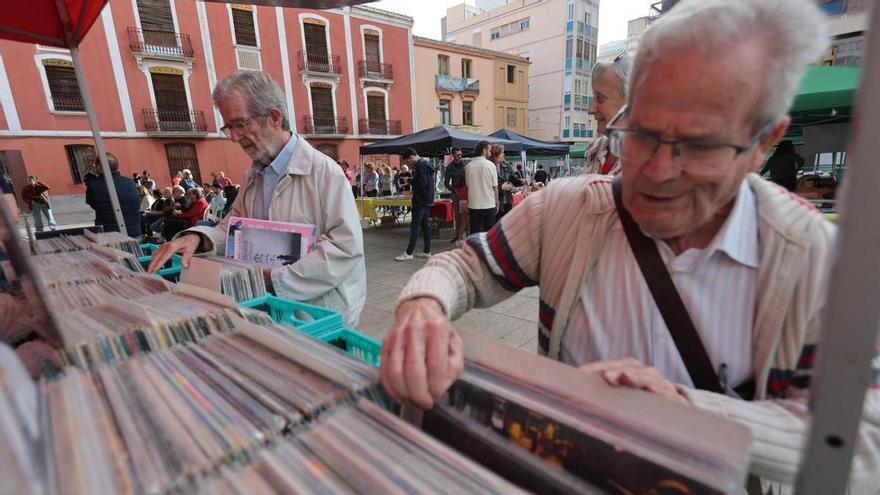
(640, 146)
(239, 125)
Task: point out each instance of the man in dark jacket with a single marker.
(453, 181)
(423, 175)
(98, 197)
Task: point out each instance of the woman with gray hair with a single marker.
(609, 81)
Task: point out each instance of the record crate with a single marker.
(355, 344)
(171, 270)
(306, 318)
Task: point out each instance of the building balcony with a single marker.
(320, 63)
(457, 84)
(327, 126)
(378, 127)
(175, 122)
(165, 44)
(375, 71)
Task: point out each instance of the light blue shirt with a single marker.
(616, 316)
(271, 175)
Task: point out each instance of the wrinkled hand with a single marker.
(422, 355)
(186, 245)
(631, 373)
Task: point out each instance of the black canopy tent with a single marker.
(536, 147)
(433, 143)
(436, 141)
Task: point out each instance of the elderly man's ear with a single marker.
(772, 138)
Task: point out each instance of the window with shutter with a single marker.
(443, 65)
(63, 86)
(371, 48)
(244, 27)
(316, 44)
(323, 113)
(467, 113)
(80, 158)
(183, 156)
(376, 112)
(157, 22)
(172, 108)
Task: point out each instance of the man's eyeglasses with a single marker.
(639, 146)
(239, 125)
(620, 56)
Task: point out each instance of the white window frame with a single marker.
(302, 35)
(137, 18)
(47, 93)
(149, 64)
(333, 87)
(232, 31)
(367, 107)
(364, 28)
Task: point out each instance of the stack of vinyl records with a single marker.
(85, 266)
(236, 279)
(574, 428)
(62, 243)
(357, 448)
(80, 294)
(116, 240)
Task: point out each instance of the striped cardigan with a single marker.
(556, 236)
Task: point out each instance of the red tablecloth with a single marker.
(442, 211)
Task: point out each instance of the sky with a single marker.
(426, 14)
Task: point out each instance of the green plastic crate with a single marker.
(171, 270)
(306, 318)
(356, 344)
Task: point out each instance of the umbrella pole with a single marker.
(99, 141)
(361, 175)
(568, 165)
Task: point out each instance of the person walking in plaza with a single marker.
(609, 82)
(98, 197)
(711, 87)
(289, 181)
(35, 195)
(783, 165)
(481, 177)
(423, 184)
(507, 180)
(452, 181)
(541, 175)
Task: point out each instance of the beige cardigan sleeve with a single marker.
(491, 266)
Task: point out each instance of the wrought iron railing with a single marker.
(319, 62)
(369, 69)
(165, 43)
(379, 127)
(175, 120)
(68, 103)
(325, 125)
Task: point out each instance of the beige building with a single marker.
(470, 88)
(559, 38)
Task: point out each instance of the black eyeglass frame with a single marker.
(240, 123)
(615, 135)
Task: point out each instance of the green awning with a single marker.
(577, 150)
(827, 87)
(826, 96)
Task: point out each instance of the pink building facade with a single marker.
(151, 66)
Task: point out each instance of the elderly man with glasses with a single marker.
(738, 265)
(609, 81)
(290, 181)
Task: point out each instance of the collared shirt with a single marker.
(616, 316)
(270, 175)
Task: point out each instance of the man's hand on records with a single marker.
(186, 245)
(631, 373)
(422, 355)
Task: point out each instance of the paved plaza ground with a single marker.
(514, 321)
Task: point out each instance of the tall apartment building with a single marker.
(559, 38)
(151, 66)
(474, 89)
(634, 30)
(848, 21)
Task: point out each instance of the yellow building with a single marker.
(470, 88)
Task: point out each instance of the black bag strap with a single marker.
(668, 301)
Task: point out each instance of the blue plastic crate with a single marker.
(356, 344)
(306, 318)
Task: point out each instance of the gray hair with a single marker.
(178, 189)
(258, 89)
(621, 67)
(796, 31)
(186, 173)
